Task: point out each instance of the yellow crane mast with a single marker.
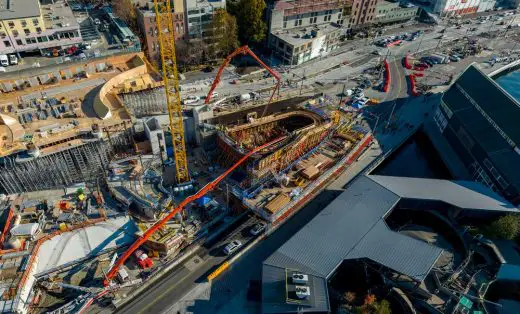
(165, 26)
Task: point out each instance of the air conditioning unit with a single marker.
(300, 278)
(303, 292)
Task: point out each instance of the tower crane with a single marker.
(165, 25)
(243, 51)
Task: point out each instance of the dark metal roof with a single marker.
(397, 251)
(353, 227)
(492, 103)
(349, 228)
(467, 195)
(327, 239)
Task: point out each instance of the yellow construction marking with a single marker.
(218, 271)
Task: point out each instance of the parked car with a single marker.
(4, 61)
(191, 99)
(232, 246)
(258, 228)
(97, 21)
(13, 59)
(454, 58)
(208, 69)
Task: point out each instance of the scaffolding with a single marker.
(63, 168)
(146, 103)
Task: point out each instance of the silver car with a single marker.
(258, 228)
(232, 246)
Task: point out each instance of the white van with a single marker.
(4, 61)
(13, 59)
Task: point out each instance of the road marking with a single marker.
(143, 310)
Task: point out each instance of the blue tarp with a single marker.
(203, 200)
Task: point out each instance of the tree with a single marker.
(349, 297)
(225, 32)
(383, 307)
(506, 227)
(251, 27)
(125, 10)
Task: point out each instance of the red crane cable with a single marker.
(208, 187)
(243, 50)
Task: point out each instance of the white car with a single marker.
(191, 99)
(4, 61)
(97, 21)
(232, 247)
(258, 228)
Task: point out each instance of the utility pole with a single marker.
(420, 42)
(341, 96)
(439, 43)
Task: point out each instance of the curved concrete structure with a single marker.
(16, 129)
(106, 98)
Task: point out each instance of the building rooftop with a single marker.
(490, 118)
(17, 9)
(462, 194)
(85, 242)
(353, 227)
(300, 36)
(58, 14)
(194, 4)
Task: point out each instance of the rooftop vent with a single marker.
(303, 292)
(300, 278)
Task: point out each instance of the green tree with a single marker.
(506, 227)
(251, 25)
(383, 307)
(225, 31)
(125, 10)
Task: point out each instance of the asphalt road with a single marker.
(182, 278)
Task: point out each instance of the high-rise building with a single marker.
(146, 21)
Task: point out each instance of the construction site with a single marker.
(107, 177)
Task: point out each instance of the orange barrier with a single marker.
(387, 77)
(413, 87)
(407, 62)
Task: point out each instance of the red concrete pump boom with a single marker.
(208, 187)
(243, 50)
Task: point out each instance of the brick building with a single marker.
(148, 27)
